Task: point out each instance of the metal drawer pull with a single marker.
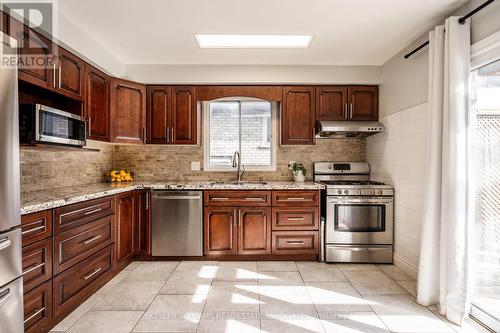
(32, 230)
(219, 199)
(31, 269)
(292, 199)
(90, 240)
(4, 295)
(86, 277)
(360, 249)
(253, 198)
(36, 313)
(295, 242)
(5, 243)
(92, 211)
(295, 219)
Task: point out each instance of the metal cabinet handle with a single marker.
(36, 313)
(219, 199)
(4, 295)
(172, 135)
(92, 211)
(167, 137)
(90, 126)
(5, 243)
(91, 239)
(54, 74)
(86, 277)
(147, 201)
(295, 199)
(253, 199)
(59, 74)
(346, 115)
(351, 111)
(32, 268)
(295, 219)
(295, 242)
(42, 227)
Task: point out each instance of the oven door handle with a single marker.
(361, 201)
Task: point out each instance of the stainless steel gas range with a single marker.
(359, 214)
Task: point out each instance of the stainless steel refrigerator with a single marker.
(11, 281)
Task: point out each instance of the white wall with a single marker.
(253, 74)
(398, 156)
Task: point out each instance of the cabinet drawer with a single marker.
(38, 309)
(288, 218)
(238, 198)
(296, 198)
(78, 243)
(74, 285)
(295, 242)
(36, 226)
(37, 263)
(72, 216)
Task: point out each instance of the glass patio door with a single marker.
(485, 168)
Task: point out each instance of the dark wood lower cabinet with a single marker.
(76, 284)
(38, 311)
(220, 231)
(254, 225)
(126, 226)
(143, 224)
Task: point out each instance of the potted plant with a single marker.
(298, 171)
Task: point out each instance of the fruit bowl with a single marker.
(120, 176)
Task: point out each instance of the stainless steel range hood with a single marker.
(347, 129)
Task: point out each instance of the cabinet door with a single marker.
(125, 225)
(363, 102)
(183, 125)
(254, 230)
(97, 103)
(159, 104)
(298, 116)
(128, 111)
(143, 225)
(331, 103)
(30, 44)
(70, 78)
(220, 231)
(38, 313)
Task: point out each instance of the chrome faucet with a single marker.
(237, 163)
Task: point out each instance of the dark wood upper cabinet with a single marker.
(331, 102)
(184, 115)
(70, 75)
(125, 225)
(97, 103)
(128, 111)
(254, 230)
(298, 115)
(363, 102)
(159, 109)
(31, 43)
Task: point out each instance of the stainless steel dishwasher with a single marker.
(177, 223)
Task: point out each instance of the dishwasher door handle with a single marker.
(176, 197)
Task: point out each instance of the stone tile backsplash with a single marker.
(164, 162)
(43, 169)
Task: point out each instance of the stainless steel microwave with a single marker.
(43, 124)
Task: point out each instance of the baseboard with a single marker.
(405, 266)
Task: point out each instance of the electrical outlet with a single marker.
(195, 166)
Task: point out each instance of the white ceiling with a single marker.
(347, 32)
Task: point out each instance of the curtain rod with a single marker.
(460, 20)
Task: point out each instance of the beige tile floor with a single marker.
(240, 297)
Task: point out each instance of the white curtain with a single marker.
(443, 276)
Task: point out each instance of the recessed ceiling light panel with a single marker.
(211, 41)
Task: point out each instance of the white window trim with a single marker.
(206, 138)
(485, 51)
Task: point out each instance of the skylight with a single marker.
(211, 41)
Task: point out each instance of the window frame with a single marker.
(206, 135)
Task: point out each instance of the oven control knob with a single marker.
(379, 192)
(372, 192)
(346, 191)
(339, 191)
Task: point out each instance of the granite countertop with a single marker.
(47, 199)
